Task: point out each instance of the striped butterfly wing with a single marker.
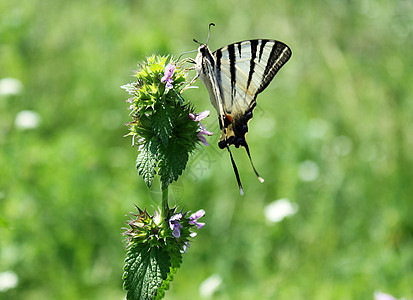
(243, 70)
(234, 75)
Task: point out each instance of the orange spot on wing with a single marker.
(229, 117)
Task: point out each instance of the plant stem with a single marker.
(165, 206)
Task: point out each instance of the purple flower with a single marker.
(167, 78)
(195, 216)
(202, 129)
(186, 246)
(175, 225)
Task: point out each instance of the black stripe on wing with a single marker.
(254, 45)
(254, 62)
(280, 54)
(263, 42)
(232, 60)
(239, 49)
(218, 56)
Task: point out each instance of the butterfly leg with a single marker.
(187, 60)
(190, 83)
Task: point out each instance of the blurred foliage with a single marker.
(340, 110)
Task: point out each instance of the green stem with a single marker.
(165, 207)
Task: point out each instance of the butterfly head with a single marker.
(204, 50)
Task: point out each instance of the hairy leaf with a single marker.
(172, 162)
(145, 270)
(162, 123)
(147, 160)
(176, 260)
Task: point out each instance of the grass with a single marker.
(343, 102)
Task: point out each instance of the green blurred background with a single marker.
(333, 134)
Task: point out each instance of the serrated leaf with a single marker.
(162, 123)
(172, 161)
(145, 270)
(176, 260)
(147, 160)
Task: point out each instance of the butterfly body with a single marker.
(234, 75)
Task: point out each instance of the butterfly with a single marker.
(234, 75)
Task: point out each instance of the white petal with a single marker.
(276, 211)
(8, 280)
(209, 286)
(10, 86)
(383, 296)
(27, 119)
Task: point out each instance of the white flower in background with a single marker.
(8, 280)
(308, 171)
(382, 296)
(277, 210)
(209, 286)
(27, 119)
(10, 86)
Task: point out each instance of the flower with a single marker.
(8, 280)
(175, 225)
(27, 119)
(195, 216)
(167, 78)
(382, 296)
(202, 129)
(10, 86)
(276, 211)
(210, 285)
(186, 246)
(177, 229)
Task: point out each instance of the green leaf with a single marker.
(176, 260)
(172, 161)
(162, 123)
(147, 160)
(145, 270)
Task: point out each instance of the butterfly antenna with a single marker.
(209, 31)
(186, 53)
(249, 155)
(234, 166)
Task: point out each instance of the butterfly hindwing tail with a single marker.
(253, 167)
(234, 166)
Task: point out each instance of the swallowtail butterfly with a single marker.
(234, 75)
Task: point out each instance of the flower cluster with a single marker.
(166, 130)
(176, 227)
(202, 132)
(167, 77)
(163, 124)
